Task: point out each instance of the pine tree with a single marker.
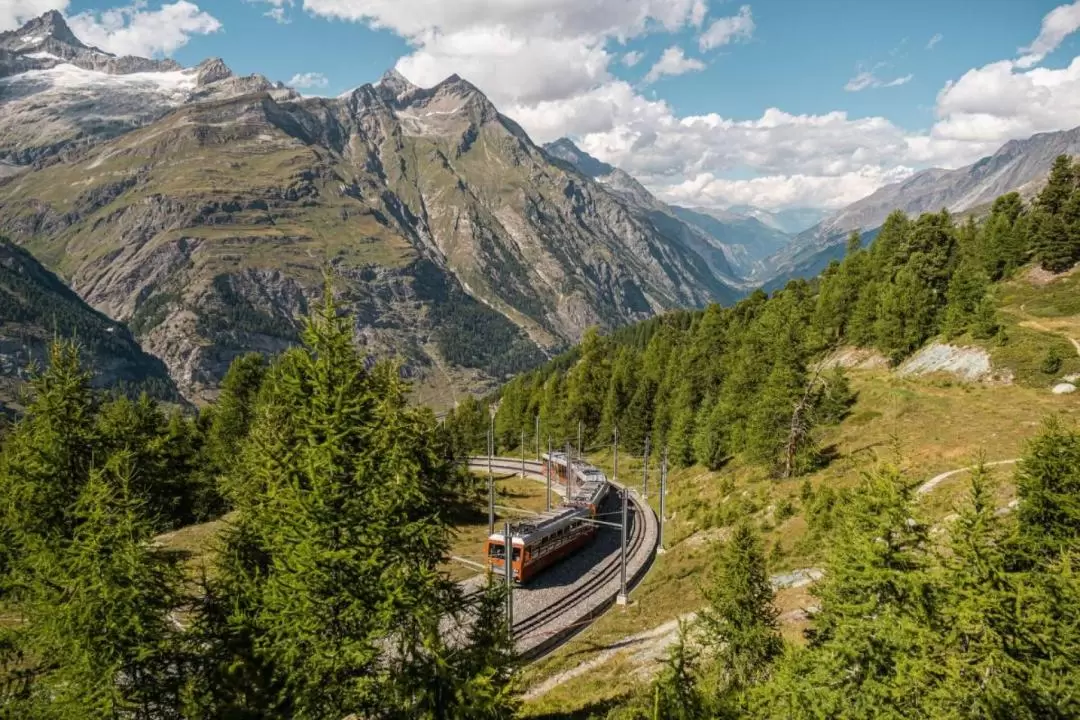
(1059, 186)
(343, 492)
(1048, 486)
(47, 457)
(739, 626)
(1054, 248)
(233, 412)
(99, 610)
(873, 617)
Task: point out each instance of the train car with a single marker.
(545, 539)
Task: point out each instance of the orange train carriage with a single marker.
(547, 538)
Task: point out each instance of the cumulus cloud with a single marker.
(867, 79)
(308, 80)
(15, 13)
(937, 37)
(277, 10)
(739, 27)
(1058, 24)
(632, 58)
(673, 62)
(135, 30)
(547, 64)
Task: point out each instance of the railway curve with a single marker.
(567, 597)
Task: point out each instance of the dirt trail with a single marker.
(1062, 326)
(938, 479)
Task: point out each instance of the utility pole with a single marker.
(547, 472)
(508, 565)
(522, 454)
(537, 436)
(579, 438)
(491, 486)
(569, 492)
(622, 598)
(645, 471)
(663, 496)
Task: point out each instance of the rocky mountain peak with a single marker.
(212, 70)
(396, 85)
(51, 25)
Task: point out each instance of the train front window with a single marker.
(496, 551)
(517, 554)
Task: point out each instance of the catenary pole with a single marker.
(537, 436)
(622, 597)
(579, 439)
(522, 454)
(547, 473)
(663, 498)
(569, 491)
(645, 471)
(491, 488)
(508, 565)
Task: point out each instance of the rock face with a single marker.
(731, 247)
(209, 223)
(35, 305)
(966, 363)
(1020, 165)
(60, 96)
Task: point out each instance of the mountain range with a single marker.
(206, 211)
(1019, 165)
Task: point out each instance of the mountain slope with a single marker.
(1018, 165)
(457, 243)
(730, 251)
(36, 306)
(747, 240)
(60, 96)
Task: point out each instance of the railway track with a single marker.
(538, 631)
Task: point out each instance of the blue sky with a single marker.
(791, 103)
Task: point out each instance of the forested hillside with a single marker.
(744, 380)
(36, 306)
(321, 599)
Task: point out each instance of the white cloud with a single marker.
(673, 62)
(415, 18)
(134, 30)
(937, 37)
(728, 29)
(547, 64)
(632, 58)
(867, 79)
(308, 80)
(775, 192)
(277, 11)
(1058, 24)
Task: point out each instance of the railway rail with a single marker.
(566, 598)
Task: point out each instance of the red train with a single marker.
(545, 539)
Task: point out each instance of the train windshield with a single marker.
(497, 551)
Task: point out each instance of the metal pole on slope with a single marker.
(663, 496)
(579, 439)
(491, 486)
(569, 492)
(645, 471)
(547, 472)
(537, 436)
(622, 598)
(522, 454)
(508, 566)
